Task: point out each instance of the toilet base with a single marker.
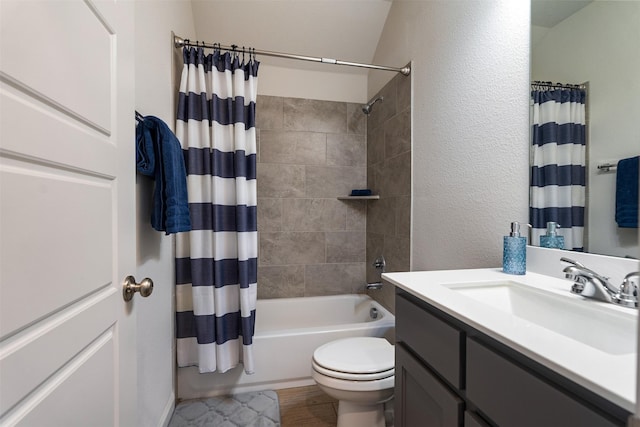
(357, 415)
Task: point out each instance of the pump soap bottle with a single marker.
(551, 239)
(514, 254)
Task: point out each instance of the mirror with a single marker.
(596, 43)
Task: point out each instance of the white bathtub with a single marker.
(288, 330)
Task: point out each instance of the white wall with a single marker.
(599, 45)
(308, 28)
(155, 92)
(312, 84)
(470, 114)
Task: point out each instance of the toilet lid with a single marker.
(358, 355)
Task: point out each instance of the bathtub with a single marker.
(288, 330)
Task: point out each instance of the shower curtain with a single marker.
(557, 187)
(216, 262)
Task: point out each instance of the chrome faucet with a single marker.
(590, 284)
(628, 295)
(379, 264)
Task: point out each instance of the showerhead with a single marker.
(367, 107)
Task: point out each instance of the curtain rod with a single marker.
(180, 42)
(558, 85)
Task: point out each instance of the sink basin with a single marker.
(585, 321)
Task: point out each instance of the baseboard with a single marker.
(168, 411)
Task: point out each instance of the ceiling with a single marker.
(347, 30)
(549, 13)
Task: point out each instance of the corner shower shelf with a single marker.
(372, 197)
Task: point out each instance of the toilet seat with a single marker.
(355, 359)
(353, 377)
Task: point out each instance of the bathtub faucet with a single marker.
(379, 264)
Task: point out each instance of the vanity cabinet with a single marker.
(449, 374)
(426, 401)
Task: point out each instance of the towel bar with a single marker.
(607, 167)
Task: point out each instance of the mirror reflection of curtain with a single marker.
(558, 150)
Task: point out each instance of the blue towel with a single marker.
(364, 192)
(627, 192)
(159, 155)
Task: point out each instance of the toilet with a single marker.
(359, 373)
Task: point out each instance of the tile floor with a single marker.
(307, 407)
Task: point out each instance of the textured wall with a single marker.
(389, 175)
(310, 152)
(470, 118)
(155, 92)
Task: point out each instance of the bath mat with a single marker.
(253, 409)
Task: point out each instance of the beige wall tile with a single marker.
(269, 112)
(293, 147)
(375, 248)
(311, 152)
(333, 181)
(389, 174)
(356, 119)
(269, 214)
(397, 176)
(346, 150)
(276, 180)
(397, 250)
(375, 146)
(281, 281)
(347, 246)
(257, 145)
(314, 215)
(291, 248)
(404, 92)
(385, 109)
(334, 279)
(356, 215)
(374, 178)
(315, 116)
(381, 217)
(397, 134)
(403, 216)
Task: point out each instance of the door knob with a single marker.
(130, 287)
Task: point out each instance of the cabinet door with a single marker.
(434, 340)
(512, 396)
(421, 399)
(472, 420)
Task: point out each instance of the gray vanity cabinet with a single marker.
(449, 374)
(426, 401)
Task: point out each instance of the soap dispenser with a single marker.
(514, 254)
(552, 239)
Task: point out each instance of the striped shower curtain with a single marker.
(557, 191)
(216, 262)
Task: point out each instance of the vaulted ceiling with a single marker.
(348, 30)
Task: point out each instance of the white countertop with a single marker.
(612, 376)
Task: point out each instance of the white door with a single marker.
(67, 170)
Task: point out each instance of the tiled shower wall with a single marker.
(309, 153)
(389, 175)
